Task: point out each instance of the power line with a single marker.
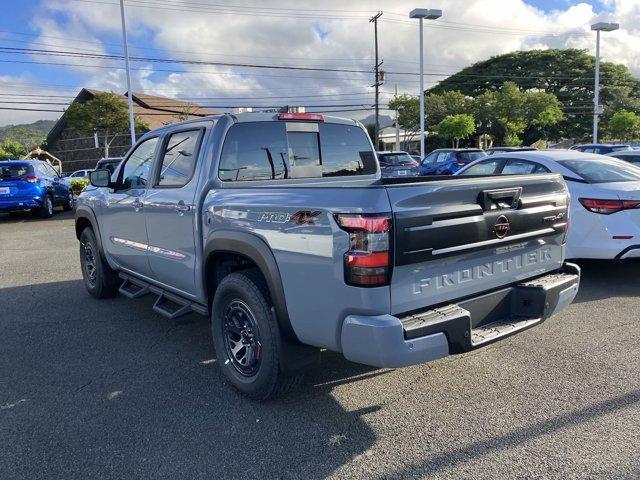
(76, 54)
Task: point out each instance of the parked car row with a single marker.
(34, 185)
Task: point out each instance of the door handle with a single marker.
(137, 205)
(182, 208)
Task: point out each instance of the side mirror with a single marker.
(100, 178)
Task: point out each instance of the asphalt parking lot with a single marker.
(109, 389)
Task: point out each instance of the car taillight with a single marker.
(30, 178)
(368, 261)
(607, 207)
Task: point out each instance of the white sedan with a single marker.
(605, 197)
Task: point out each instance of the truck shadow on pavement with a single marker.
(96, 389)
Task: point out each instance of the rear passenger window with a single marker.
(483, 168)
(179, 158)
(521, 167)
(281, 150)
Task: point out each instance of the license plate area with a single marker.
(5, 190)
(481, 320)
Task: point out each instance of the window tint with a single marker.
(135, 173)
(431, 157)
(396, 159)
(469, 157)
(15, 171)
(603, 171)
(254, 151)
(265, 151)
(522, 167)
(620, 148)
(346, 150)
(179, 158)
(483, 168)
(444, 157)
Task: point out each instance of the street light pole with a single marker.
(596, 90)
(132, 124)
(422, 112)
(597, 108)
(421, 14)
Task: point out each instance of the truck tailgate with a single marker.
(460, 236)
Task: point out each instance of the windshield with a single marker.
(620, 148)
(396, 159)
(469, 157)
(603, 171)
(15, 171)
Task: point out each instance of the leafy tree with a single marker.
(567, 74)
(509, 112)
(440, 106)
(10, 149)
(408, 108)
(106, 113)
(624, 125)
(456, 127)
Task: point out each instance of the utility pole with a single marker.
(132, 124)
(378, 81)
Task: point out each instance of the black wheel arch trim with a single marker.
(257, 250)
(84, 212)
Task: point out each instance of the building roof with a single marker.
(153, 110)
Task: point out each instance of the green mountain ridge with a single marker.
(29, 135)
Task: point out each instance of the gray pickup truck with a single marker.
(280, 228)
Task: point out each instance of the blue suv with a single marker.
(447, 161)
(32, 185)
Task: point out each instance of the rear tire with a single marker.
(246, 336)
(68, 204)
(99, 279)
(46, 210)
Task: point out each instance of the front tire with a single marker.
(99, 279)
(246, 336)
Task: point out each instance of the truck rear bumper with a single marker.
(390, 341)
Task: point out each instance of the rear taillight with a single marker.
(368, 261)
(607, 207)
(30, 178)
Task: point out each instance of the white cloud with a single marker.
(469, 31)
